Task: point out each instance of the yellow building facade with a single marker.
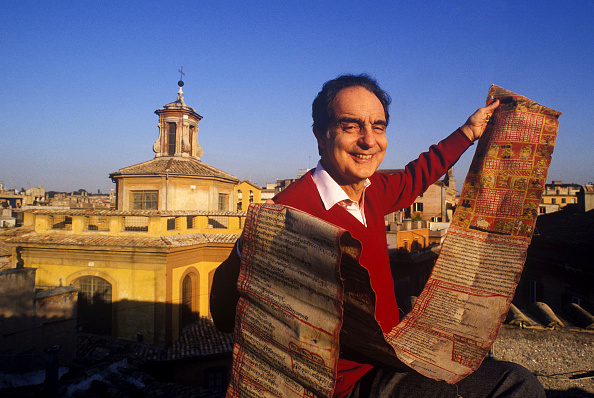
(247, 192)
(146, 273)
(557, 195)
(145, 269)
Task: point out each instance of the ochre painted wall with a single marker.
(177, 192)
(200, 262)
(137, 279)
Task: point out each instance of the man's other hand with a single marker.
(475, 125)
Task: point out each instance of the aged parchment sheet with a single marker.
(457, 317)
(290, 311)
(301, 286)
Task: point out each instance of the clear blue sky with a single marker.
(80, 80)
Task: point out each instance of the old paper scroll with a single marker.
(457, 317)
(301, 286)
(290, 311)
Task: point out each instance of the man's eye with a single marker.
(350, 128)
(379, 128)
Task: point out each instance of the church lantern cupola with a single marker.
(178, 129)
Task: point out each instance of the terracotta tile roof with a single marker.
(175, 165)
(198, 339)
(5, 251)
(201, 338)
(253, 184)
(124, 241)
(146, 213)
(10, 232)
(195, 239)
(88, 240)
(5, 263)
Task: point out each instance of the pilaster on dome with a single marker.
(178, 129)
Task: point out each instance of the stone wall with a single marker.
(31, 322)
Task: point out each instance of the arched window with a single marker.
(239, 200)
(189, 301)
(94, 304)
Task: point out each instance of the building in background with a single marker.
(32, 321)
(175, 179)
(557, 195)
(436, 204)
(144, 270)
(559, 268)
(247, 192)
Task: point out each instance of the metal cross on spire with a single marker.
(181, 77)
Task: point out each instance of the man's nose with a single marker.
(367, 137)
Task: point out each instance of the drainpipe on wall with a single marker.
(166, 190)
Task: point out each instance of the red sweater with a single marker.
(387, 193)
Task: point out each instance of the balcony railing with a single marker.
(144, 223)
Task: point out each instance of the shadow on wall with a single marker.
(32, 321)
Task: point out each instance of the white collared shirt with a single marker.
(332, 194)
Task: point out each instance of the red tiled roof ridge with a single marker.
(175, 165)
(125, 241)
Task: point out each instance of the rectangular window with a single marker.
(171, 138)
(417, 207)
(218, 222)
(96, 223)
(145, 200)
(223, 202)
(136, 223)
(216, 378)
(190, 222)
(61, 222)
(563, 200)
(170, 223)
(174, 223)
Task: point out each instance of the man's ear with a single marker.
(320, 140)
(320, 137)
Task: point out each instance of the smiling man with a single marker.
(350, 117)
(354, 146)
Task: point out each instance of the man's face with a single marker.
(357, 142)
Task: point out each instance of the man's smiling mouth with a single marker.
(362, 156)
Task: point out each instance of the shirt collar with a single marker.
(330, 192)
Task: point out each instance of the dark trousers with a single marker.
(492, 379)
